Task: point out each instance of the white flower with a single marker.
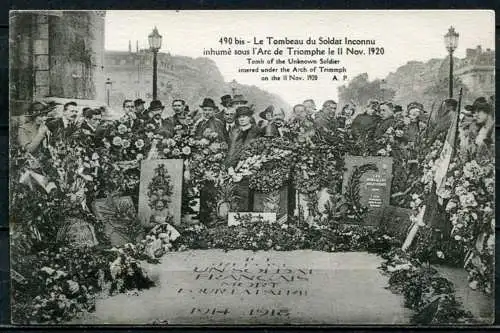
(468, 200)
(125, 143)
(139, 143)
(458, 237)
(73, 286)
(48, 270)
(399, 133)
(389, 130)
(451, 205)
(117, 141)
(122, 129)
(139, 157)
(473, 285)
(204, 142)
(95, 156)
(186, 150)
(440, 254)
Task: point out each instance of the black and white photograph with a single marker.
(251, 167)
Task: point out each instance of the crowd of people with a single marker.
(234, 121)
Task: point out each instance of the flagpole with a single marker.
(458, 120)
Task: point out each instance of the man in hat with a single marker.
(32, 133)
(238, 100)
(326, 117)
(62, 128)
(139, 107)
(208, 121)
(154, 114)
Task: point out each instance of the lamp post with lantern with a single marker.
(451, 42)
(108, 88)
(233, 87)
(154, 39)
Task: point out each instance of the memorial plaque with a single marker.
(119, 216)
(371, 176)
(244, 287)
(160, 192)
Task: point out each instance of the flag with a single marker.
(444, 160)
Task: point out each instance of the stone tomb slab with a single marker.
(205, 287)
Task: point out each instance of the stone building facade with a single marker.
(131, 75)
(477, 71)
(56, 54)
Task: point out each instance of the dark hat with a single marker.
(208, 102)
(239, 99)
(89, 112)
(415, 105)
(36, 109)
(398, 108)
(225, 99)
(451, 102)
(138, 102)
(155, 105)
(243, 111)
(269, 109)
(480, 104)
(477, 102)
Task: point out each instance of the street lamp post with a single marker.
(233, 87)
(451, 42)
(155, 45)
(108, 88)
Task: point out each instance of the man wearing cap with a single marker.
(61, 128)
(33, 132)
(139, 108)
(208, 121)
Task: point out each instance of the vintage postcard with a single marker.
(313, 167)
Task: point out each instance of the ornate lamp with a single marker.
(155, 39)
(451, 43)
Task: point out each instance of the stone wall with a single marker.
(55, 53)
